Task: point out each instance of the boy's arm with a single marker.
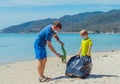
(52, 49)
(79, 52)
(89, 50)
(57, 38)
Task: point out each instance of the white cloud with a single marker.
(54, 2)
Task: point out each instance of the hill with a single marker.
(93, 21)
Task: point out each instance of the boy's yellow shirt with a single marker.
(85, 46)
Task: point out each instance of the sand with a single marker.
(106, 70)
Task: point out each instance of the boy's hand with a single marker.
(89, 51)
(78, 54)
(88, 54)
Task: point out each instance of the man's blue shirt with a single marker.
(45, 35)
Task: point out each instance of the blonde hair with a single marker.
(84, 31)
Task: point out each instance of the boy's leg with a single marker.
(40, 67)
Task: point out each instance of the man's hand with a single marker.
(57, 38)
(57, 54)
(51, 48)
(61, 43)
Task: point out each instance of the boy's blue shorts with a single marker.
(40, 52)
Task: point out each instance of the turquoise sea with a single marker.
(19, 47)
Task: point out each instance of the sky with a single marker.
(14, 12)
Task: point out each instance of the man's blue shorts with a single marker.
(40, 52)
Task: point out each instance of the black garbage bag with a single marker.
(79, 66)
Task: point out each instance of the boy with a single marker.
(86, 44)
(43, 39)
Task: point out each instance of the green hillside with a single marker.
(93, 21)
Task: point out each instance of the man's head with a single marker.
(84, 33)
(57, 26)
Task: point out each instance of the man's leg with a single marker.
(43, 65)
(40, 67)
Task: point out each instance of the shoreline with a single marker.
(90, 32)
(9, 63)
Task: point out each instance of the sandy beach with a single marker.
(106, 70)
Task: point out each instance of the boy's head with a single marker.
(84, 33)
(57, 26)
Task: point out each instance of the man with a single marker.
(43, 39)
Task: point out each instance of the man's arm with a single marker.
(57, 38)
(89, 51)
(52, 49)
(79, 51)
